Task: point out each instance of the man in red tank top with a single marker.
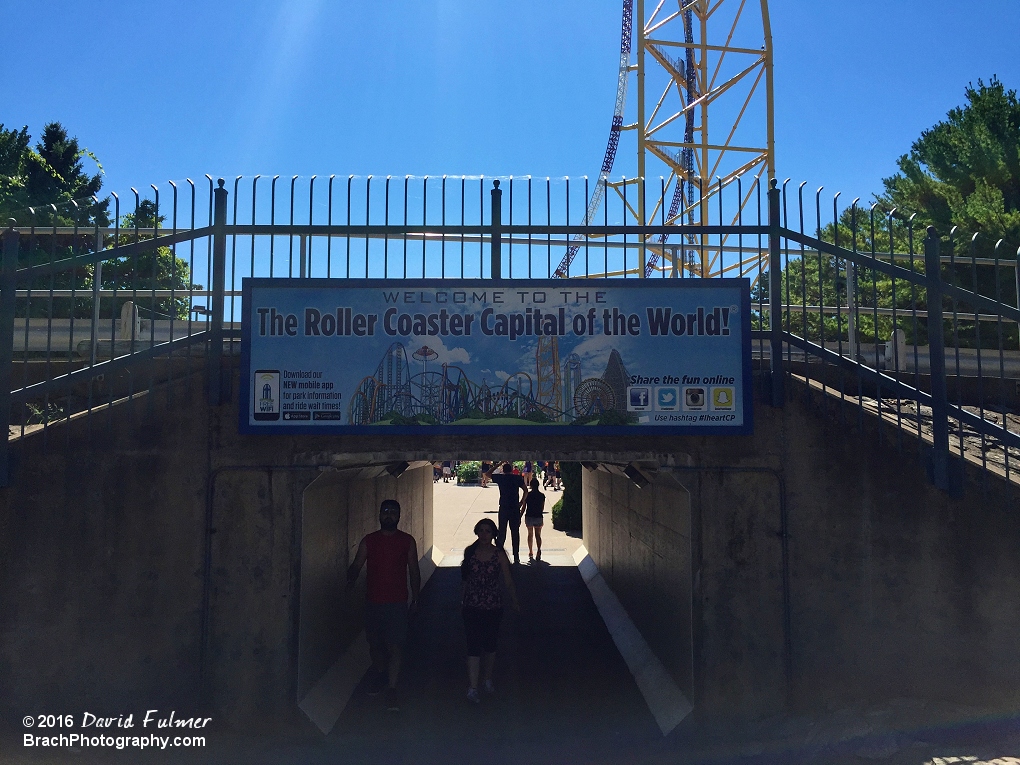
(391, 555)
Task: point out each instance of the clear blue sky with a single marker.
(162, 90)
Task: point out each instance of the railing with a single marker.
(897, 333)
(923, 337)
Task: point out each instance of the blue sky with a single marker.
(169, 90)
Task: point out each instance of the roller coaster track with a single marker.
(727, 67)
(614, 137)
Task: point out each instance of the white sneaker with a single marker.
(472, 696)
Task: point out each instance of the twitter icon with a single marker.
(667, 399)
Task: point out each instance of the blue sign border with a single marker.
(636, 431)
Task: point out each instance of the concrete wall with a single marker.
(895, 588)
(103, 562)
(641, 541)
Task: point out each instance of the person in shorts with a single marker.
(485, 474)
(528, 473)
(534, 510)
(392, 558)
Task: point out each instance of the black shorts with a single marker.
(386, 623)
(482, 628)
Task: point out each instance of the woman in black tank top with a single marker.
(482, 603)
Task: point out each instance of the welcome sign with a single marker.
(619, 357)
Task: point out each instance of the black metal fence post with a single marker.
(775, 297)
(8, 284)
(496, 266)
(219, 273)
(937, 362)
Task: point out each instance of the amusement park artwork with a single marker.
(474, 356)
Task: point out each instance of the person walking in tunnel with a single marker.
(528, 472)
(482, 603)
(392, 558)
(533, 511)
(511, 506)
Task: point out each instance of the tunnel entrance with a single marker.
(631, 561)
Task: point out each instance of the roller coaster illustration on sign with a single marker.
(396, 395)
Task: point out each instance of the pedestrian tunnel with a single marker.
(629, 569)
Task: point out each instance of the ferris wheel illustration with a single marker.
(593, 397)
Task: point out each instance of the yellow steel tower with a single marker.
(704, 118)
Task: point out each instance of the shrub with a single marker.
(566, 513)
(468, 472)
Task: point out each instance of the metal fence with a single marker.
(872, 316)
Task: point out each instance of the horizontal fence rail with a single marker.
(917, 328)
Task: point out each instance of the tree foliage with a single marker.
(961, 176)
(48, 186)
(34, 181)
(965, 171)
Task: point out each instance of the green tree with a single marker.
(961, 176)
(48, 186)
(965, 171)
(33, 181)
(152, 269)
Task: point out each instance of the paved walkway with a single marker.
(456, 510)
(563, 692)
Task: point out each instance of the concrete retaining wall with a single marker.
(895, 588)
(640, 540)
(103, 558)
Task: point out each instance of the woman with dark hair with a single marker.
(533, 511)
(482, 603)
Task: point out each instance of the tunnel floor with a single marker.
(563, 693)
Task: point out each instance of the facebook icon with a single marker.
(639, 399)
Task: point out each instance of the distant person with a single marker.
(482, 603)
(392, 556)
(511, 506)
(447, 471)
(557, 477)
(547, 474)
(485, 475)
(528, 473)
(534, 510)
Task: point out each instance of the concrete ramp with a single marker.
(325, 702)
(666, 701)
